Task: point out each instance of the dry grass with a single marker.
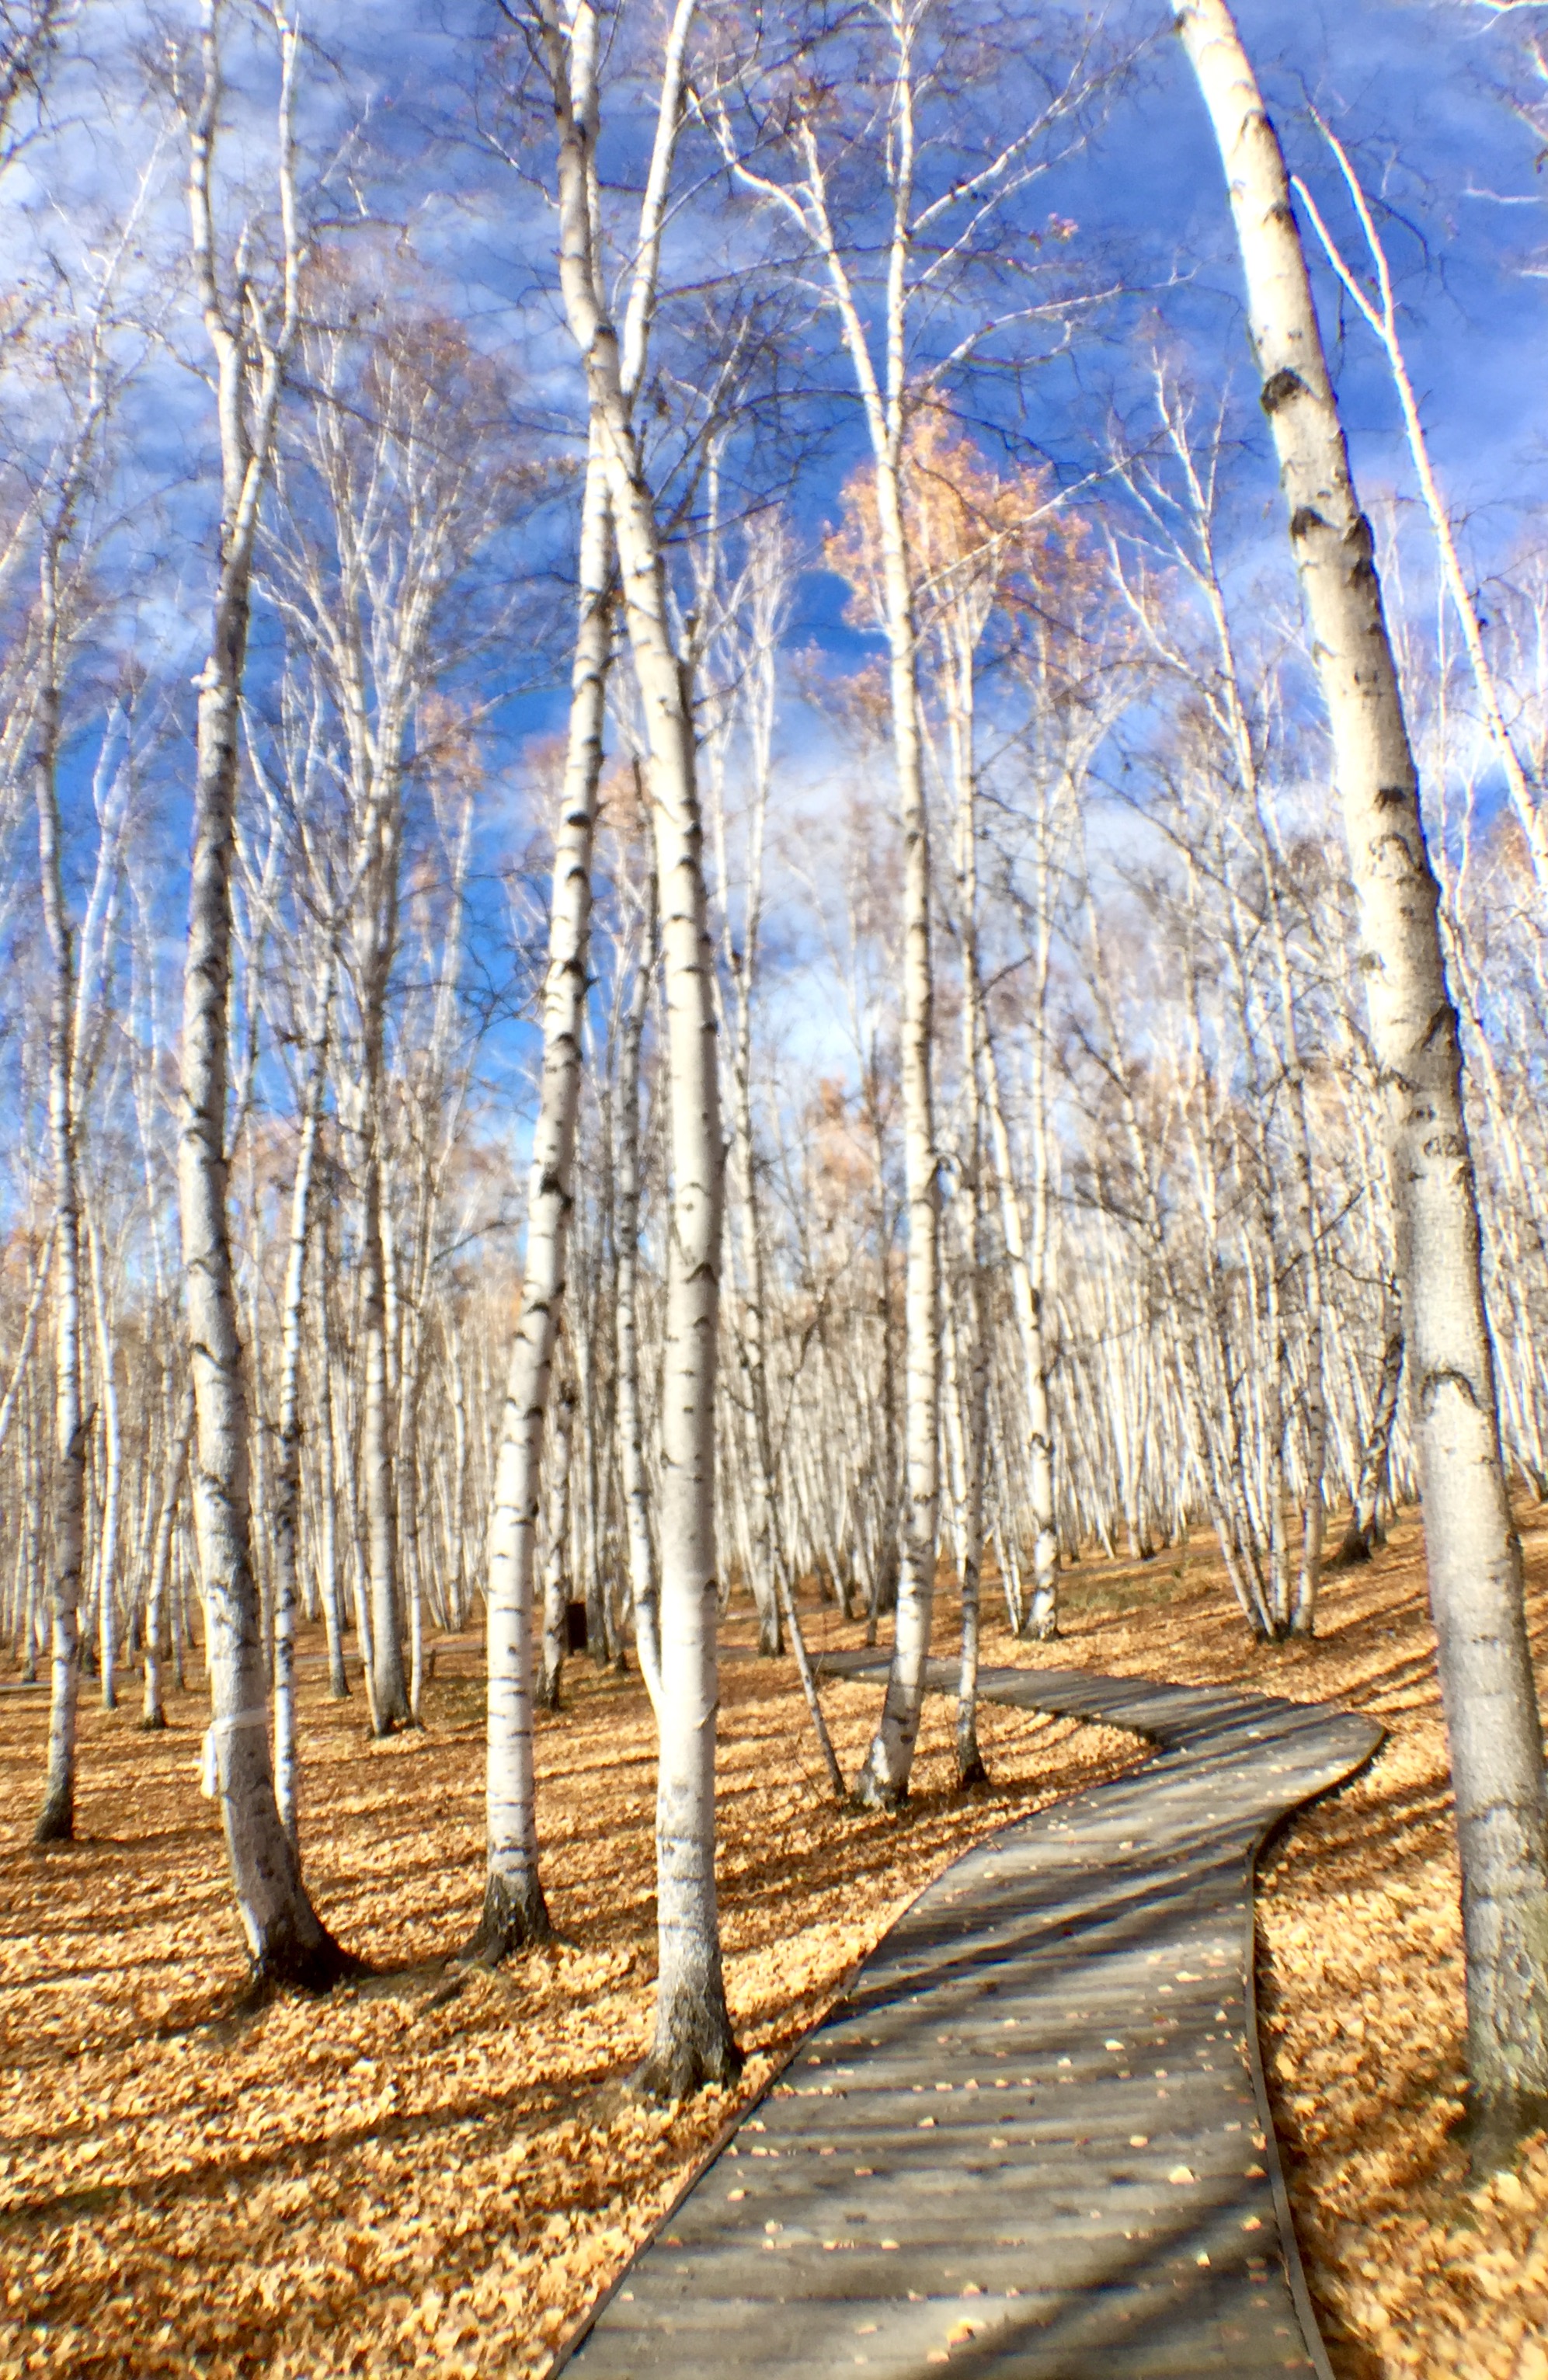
(375, 2184)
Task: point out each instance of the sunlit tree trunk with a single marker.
(643, 1584)
(514, 1911)
(693, 2043)
(56, 1818)
(556, 1558)
(153, 1712)
(286, 1939)
(287, 1483)
(1470, 1546)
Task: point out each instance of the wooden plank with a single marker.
(1033, 2141)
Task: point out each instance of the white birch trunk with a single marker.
(154, 1711)
(287, 1484)
(643, 1582)
(286, 1941)
(1470, 1546)
(694, 2043)
(56, 1819)
(556, 1559)
(514, 1911)
(112, 1474)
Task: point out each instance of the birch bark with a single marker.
(693, 2043)
(514, 1911)
(643, 1582)
(286, 1941)
(153, 1713)
(56, 1819)
(1470, 1546)
(287, 1483)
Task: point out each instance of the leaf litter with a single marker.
(439, 2171)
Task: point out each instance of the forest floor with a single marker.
(382, 2183)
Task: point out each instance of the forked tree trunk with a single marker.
(694, 2043)
(1470, 1546)
(514, 1911)
(287, 1941)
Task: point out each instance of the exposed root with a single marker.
(697, 2050)
(56, 1818)
(515, 1917)
(1497, 2127)
(314, 1965)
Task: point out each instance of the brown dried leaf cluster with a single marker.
(378, 2184)
(394, 2181)
(1360, 1972)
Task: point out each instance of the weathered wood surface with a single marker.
(1032, 2139)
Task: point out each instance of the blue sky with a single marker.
(1417, 90)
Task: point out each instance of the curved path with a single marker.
(1032, 2139)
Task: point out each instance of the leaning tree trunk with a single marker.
(514, 1911)
(1470, 1546)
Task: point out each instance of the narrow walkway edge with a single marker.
(1033, 2140)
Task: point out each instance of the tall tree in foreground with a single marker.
(694, 2043)
(1470, 1546)
(56, 1818)
(250, 334)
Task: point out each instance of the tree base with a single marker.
(971, 1770)
(55, 1820)
(515, 1917)
(871, 1792)
(314, 1966)
(1495, 2126)
(154, 1721)
(698, 2053)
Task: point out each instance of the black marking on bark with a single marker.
(1279, 388)
(1392, 798)
(1304, 519)
(1435, 1381)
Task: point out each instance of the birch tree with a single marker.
(693, 2041)
(1471, 1552)
(252, 330)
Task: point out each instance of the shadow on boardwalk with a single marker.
(1033, 2140)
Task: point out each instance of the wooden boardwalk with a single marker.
(1033, 2140)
